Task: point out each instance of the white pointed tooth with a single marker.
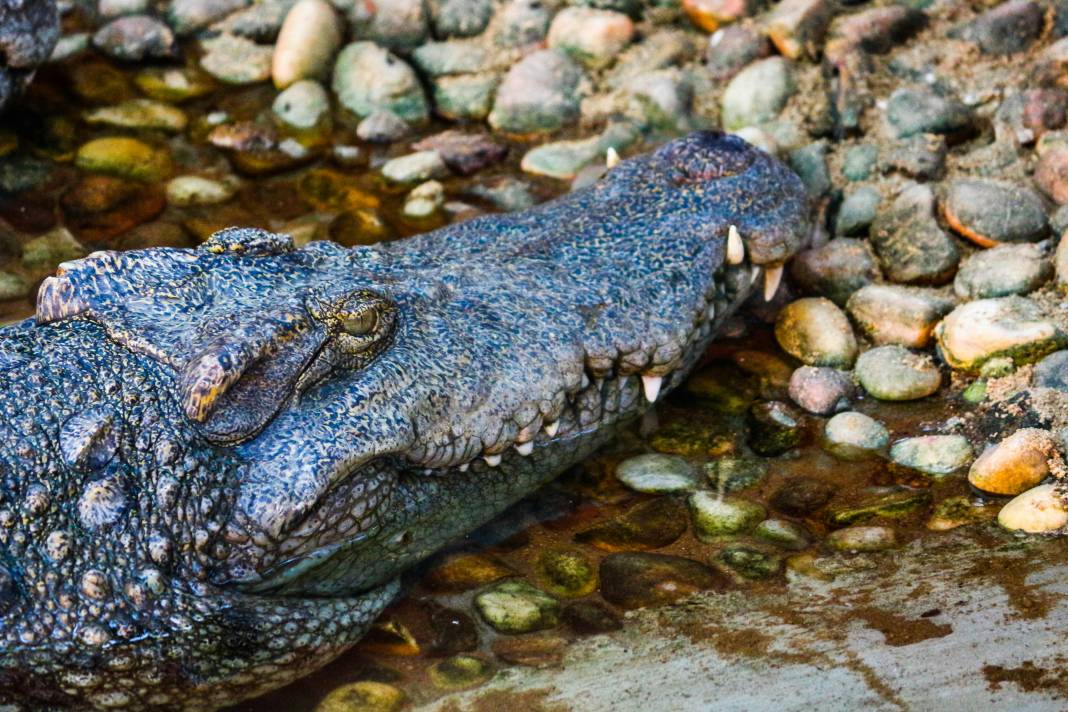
(735, 247)
(611, 158)
(526, 448)
(711, 313)
(551, 429)
(753, 274)
(651, 386)
(464, 466)
(492, 460)
(772, 278)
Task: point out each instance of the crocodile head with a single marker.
(214, 463)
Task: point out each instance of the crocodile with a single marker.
(216, 463)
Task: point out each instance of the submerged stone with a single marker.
(647, 525)
(933, 454)
(750, 563)
(895, 503)
(715, 516)
(657, 474)
(459, 671)
(638, 580)
(517, 607)
(567, 573)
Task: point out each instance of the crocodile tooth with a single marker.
(735, 246)
(551, 429)
(463, 466)
(651, 385)
(772, 278)
(711, 312)
(526, 448)
(492, 460)
(611, 158)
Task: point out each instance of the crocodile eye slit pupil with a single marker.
(360, 324)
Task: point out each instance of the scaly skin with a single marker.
(215, 463)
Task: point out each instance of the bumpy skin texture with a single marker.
(214, 463)
(29, 30)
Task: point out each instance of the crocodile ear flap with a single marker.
(237, 382)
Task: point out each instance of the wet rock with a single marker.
(453, 631)
(537, 651)
(715, 516)
(439, 59)
(1060, 263)
(1006, 29)
(658, 100)
(396, 24)
(891, 314)
(797, 27)
(894, 373)
(987, 212)
(173, 84)
(383, 127)
(303, 106)
(854, 539)
(540, 93)
(189, 16)
(46, 252)
(896, 503)
(709, 15)
(855, 436)
(810, 164)
(465, 96)
(921, 156)
(591, 36)
(125, 158)
(641, 580)
(363, 696)
(460, 18)
(458, 672)
(750, 563)
(857, 211)
(959, 511)
(911, 247)
(519, 23)
(12, 286)
(1052, 371)
(463, 572)
(694, 438)
(590, 618)
(564, 159)
(784, 534)
(646, 525)
(236, 60)
(800, 496)
(415, 167)
(1003, 271)
(657, 474)
(775, 428)
(919, 110)
(835, 270)
(721, 386)
(932, 454)
(307, 43)
(424, 200)
(817, 332)
(256, 149)
(730, 474)
(464, 153)
(859, 161)
(134, 38)
(758, 93)
(566, 573)
(1051, 174)
(1017, 463)
(368, 78)
(100, 207)
(820, 390)
(506, 193)
(732, 48)
(190, 190)
(1037, 511)
(138, 114)
(517, 607)
(1012, 327)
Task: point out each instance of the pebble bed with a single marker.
(907, 379)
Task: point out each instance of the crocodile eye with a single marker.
(360, 324)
